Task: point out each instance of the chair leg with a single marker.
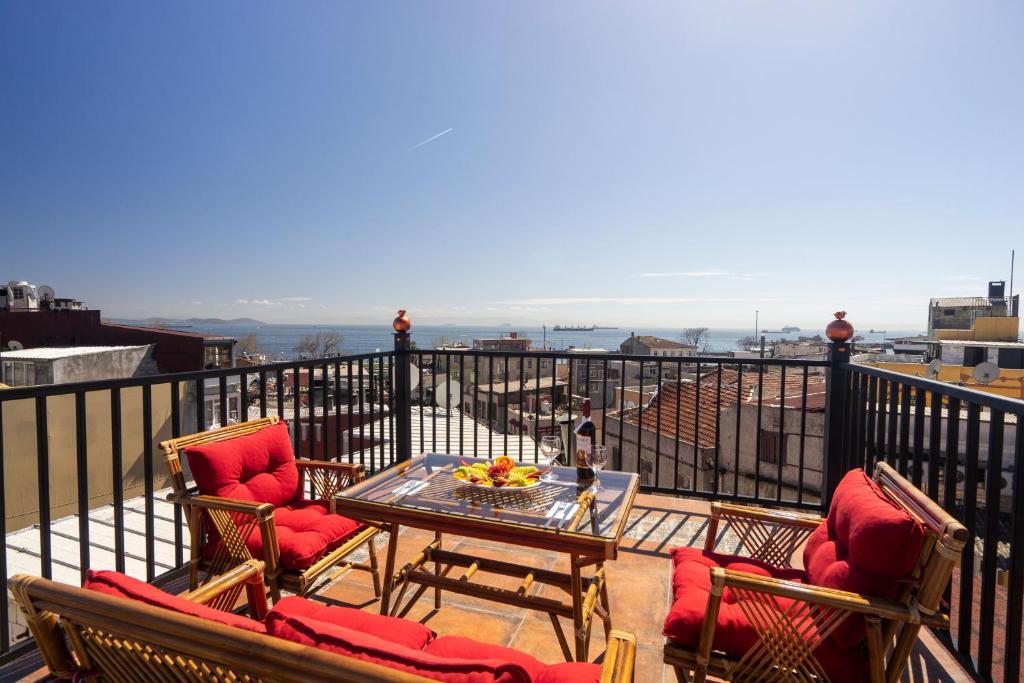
(682, 675)
(274, 587)
(371, 546)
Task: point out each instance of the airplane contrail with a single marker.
(432, 138)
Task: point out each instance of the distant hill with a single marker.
(192, 322)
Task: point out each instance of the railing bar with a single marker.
(893, 423)
(965, 607)
(462, 400)
(223, 386)
(243, 387)
(919, 410)
(296, 411)
(803, 437)
(536, 418)
(869, 435)
(504, 429)
(782, 434)
(1015, 589)
(263, 398)
(371, 394)
(639, 428)
(879, 450)
(326, 408)
(657, 421)
(718, 423)
(448, 404)
(350, 425)
(622, 412)
(739, 418)
(934, 445)
(572, 432)
(279, 388)
(82, 474)
(487, 411)
(419, 370)
(310, 418)
(757, 440)
(904, 429)
(43, 472)
(952, 448)
(147, 469)
(179, 541)
(990, 555)
(338, 440)
(604, 399)
(363, 400)
(554, 428)
(679, 406)
(5, 636)
(476, 405)
(389, 376)
(696, 425)
(522, 405)
(117, 465)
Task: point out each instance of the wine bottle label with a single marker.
(583, 446)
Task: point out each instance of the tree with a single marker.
(696, 336)
(249, 345)
(319, 345)
(745, 343)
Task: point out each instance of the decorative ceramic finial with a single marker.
(402, 323)
(839, 330)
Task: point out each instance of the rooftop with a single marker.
(953, 301)
(58, 352)
(515, 385)
(660, 342)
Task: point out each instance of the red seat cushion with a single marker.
(734, 635)
(352, 643)
(258, 467)
(306, 531)
(457, 647)
(869, 545)
(402, 632)
(121, 586)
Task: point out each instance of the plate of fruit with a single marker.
(502, 472)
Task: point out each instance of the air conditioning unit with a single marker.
(1005, 485)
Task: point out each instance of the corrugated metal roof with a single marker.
(976, 301)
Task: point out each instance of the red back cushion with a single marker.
(121, 586)
(401, 632)
(868, 544)
(351, 643)
(259, 467)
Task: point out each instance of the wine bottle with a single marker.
(586, 432)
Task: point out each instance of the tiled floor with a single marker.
(639, 585)
(639, 593)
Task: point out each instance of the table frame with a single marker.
(588, 595)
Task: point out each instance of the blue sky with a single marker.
(625, 163)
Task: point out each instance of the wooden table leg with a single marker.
(389, 569)
(576, 588)
(437, 572)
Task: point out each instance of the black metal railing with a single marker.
(67, 450)
(965, 449)
(777, 432)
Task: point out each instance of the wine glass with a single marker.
(597, 458)
(551, 447)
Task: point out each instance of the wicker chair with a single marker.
(87, 635)
(790, 620)
(235, 521)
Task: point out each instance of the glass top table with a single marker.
(423, 493)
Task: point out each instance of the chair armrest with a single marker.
(771, 536)
(828, 597)
(329, 477)
(224, 590)
(261, 511)
(619, 658)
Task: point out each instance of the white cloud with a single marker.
(686, 273)
(629, 300)
(258, 302)
(295, 298)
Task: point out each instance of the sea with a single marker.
(278, 341)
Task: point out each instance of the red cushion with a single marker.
(457, 647)
(258, 467)
(734, 635)
(869, 545)
(570, 672)
(351, 643)
(306, 531)
(402, 632)
(121, 586)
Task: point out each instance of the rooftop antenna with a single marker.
(1012, 254)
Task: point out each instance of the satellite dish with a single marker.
(46, 292)
(15, 345)
(933, 369)
(447, 393)
(985, 372)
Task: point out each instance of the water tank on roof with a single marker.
(996, 289)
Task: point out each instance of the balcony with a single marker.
(85, 486)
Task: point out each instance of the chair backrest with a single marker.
(174, 448)
(940, 555)
(124, 641)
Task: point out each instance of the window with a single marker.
(948, 311)
(772, 447)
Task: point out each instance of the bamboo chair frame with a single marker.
(84, 634)
(234, 519)
(789, 634)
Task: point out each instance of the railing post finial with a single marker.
(839, 331)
